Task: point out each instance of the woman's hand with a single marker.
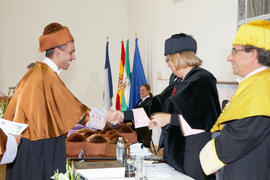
(159, 120)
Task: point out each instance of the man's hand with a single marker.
(115, 117)
(159, 120)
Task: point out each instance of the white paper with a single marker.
(187, 130)
(137, 150)
(140, 118)
(116, 172)
(162, 171)
(10, 127)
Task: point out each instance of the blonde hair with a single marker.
(187, 59)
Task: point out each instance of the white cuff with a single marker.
(11, 150)
(209, 158)
(97, 118)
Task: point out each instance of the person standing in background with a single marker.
(144, 135)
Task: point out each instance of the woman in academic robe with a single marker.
(187, 108)
(143, 134)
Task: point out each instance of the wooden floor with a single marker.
(2, 172)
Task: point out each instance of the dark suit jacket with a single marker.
(173, 78)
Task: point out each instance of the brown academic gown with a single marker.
(42, 101)
(3, 141)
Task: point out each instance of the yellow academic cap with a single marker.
(255, 33)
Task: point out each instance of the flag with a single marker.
(108, 86)
(126, 81)
(120, 79)
(137, 78)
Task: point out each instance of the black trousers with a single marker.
(37, 160)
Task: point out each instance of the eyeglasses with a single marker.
(233, 51)
(166, 59)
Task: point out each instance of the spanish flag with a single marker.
(120, 79)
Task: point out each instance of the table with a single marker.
(160, 171)
(163, 171)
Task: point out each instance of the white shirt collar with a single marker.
(52, 65)
(145, 98)
(239, 79)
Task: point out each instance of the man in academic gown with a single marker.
(242, 147)
(8, 147)
(42, 101)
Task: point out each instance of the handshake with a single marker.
(157, 120)
(115, 117)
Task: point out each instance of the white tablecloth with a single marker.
(161, 171)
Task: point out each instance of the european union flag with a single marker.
(137, 79)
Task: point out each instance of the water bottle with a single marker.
(139, 167)
(81, 155)
(120, 150)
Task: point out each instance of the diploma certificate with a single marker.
(140, 118)
(10, 127)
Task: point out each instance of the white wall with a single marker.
(90, 21)
(211, 22)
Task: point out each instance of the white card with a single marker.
(140, 118)
(10, 127)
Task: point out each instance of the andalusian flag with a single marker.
(126, 81)
(108, 86)
(120, 79)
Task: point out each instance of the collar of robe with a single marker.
(250, 99)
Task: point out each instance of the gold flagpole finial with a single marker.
(136, 36)
(107, 38)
